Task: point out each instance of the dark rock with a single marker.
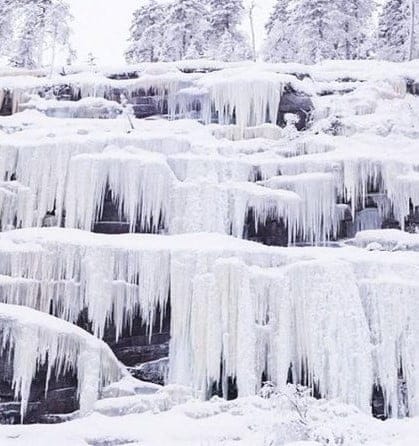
(153, 371)
(413, 87)
(7, 107)
(293, 102)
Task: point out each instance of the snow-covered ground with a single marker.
(165, 419)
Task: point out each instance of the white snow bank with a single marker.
(388, 239)
(252, 421)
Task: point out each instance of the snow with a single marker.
(389, 239)
(246, 421)
(85, 108)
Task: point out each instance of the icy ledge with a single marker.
(32, 339)
(336, 319)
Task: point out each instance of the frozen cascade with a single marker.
(206, 206)
(394, 336)
(265, 202)
(252, 97)
(251, 308)
(31, 340)
(318, 219)
(327, 343)
(337, 320)
(16, 205)
(140, 182)
(114, 283)
(243, 313)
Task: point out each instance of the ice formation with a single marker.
(280, 312)
(337, 318)
(140, 182)
(16, 205)
(31, 340)
(193, 154)
(318, 219)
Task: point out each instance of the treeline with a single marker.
(188, 29)
(306, 31)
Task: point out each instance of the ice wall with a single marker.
(238, 309)
(31, 339)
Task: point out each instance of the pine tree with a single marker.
(278, 43)
(394, 30)
(44, 26)
(314, 25)
(6, 26)
(355, 22)
(185, 30)
(29, 41)
(227, 41)
(146, 31)
(57, 27)
(309, 31)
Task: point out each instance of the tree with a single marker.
(355, 21)
(146, 31)
(396, 30)
(278, 43)
(57, 27)
(309, 31)
(227, 42)
(314, 25)
(6, 26)
(185, 30)
(44, 25)
(27, 49)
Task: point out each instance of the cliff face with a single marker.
(197, 220)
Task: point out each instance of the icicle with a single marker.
(318, 217)
(403, 191)
(251, 97)
(114, 283)
(140, 183)
(36, 339)
(265, 203)
(389, 305)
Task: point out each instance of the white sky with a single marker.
(102, 27)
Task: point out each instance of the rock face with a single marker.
(297, 104)
(153, 371)
(61, 397)
(6, 107)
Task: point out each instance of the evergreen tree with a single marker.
(355, 22)
(44, 26)
(309, 31)
(57, 27)
(6, 26)
(227, 42)
(278, 45)
(314, 25)
(394, 30)
(146, 31)
(185, 30)
(27, 51)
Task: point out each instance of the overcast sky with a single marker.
(102, 26)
